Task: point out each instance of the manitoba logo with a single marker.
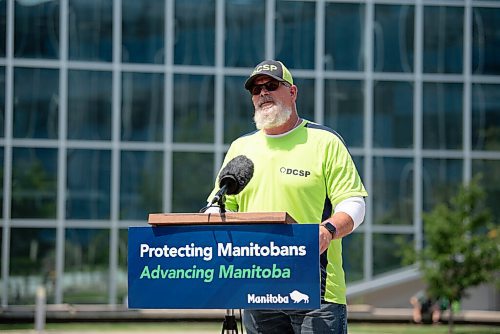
(295, 296)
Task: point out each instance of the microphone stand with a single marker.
(229, 325)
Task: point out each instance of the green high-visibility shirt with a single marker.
(305, 173)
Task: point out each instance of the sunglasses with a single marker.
(270, 86)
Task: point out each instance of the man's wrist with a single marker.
(330, 227)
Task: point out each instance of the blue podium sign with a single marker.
(264, 266)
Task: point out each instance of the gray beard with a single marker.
(276, 116)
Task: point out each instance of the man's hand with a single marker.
(325, 237)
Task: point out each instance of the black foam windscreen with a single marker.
(236, 174)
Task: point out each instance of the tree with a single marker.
(461, 246)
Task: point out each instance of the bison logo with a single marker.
(298, 297)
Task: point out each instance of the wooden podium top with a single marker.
(163, 219)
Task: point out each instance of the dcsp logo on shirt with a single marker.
(296, 172)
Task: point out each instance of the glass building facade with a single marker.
(113, 109)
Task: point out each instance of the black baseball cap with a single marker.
(273, 68)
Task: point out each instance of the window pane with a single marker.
(305, 99)
(388, 251)
(344, 109)
(443, 39)
(238, 111)
(3, 29)
(393, 29)
(486, 117)
(393, 191)
(353, 256)
(192, 181)
(89, 105)
(141, 184)
(194, 32)
(34, 183)
(1, 183)
(486, 41)
(245, 32)
(142, 107)
(32, 264)
(442, 116)
(36, 29)
(143, 29)
(121, 275)
(359, 161)
(441, 180)
(393, 114)
(295, 33)
(89, 179)
(344, 51)
(2, 101)
(86, 266)
(490, 182)
(194, 114)
(91, 30)
(36, 103)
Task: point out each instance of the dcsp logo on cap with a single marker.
(265, 67)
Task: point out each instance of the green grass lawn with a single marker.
(215, 327)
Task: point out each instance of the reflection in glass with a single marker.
(86, 266)
(88, 184)
(393, 37)
(441, 179)
(2, 101)
(305, 97)
(442, 116)
(238, 109)
(486, 41)
(143, 31)
(1, 183)
(3, 31)
(194, 108)
(194, 32)
(142, 107)
(34, 183)
(36, 29)
(36, 103)
(359, 162)
(245, 32)
(295, 33)
(141, 179)
(121, 274)
(90, 30)
(192, 180)
(486, 117)
(490, 182)
(353, 256)
(344, 101)
(393, 114)
(443, 39)
(344, 51)
(32, 263)
(393, 191)
(388, 251)
(89, 105)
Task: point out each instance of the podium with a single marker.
(233, 218)
(230, 260)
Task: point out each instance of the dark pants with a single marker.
(330, 318)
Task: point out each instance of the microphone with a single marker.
(234, 177)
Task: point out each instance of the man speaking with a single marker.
(305, 169)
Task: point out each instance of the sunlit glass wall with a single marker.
(113, 109)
